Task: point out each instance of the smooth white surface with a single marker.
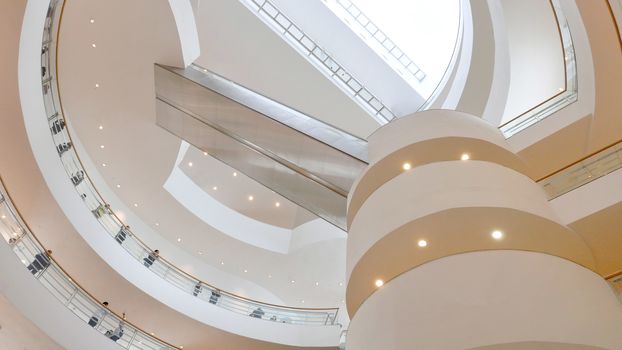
(349, 50)
(484, 298)
(589, 198)
(536, 56)
(435, 187)
(186, 30)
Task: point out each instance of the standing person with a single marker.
(99, 314)
(122, 234)
(257, 313)
(40, 262)
(118, 332)
(213, 298)
(151, 258)
(197, 289)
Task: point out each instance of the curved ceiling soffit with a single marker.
(237, 225)
(187, 34)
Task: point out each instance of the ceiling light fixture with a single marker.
(215, 188)
(250, 198)
(118, 186)
(292, 281)
(222, 263)
(269, 276)
(379, 283)
(101, 127)
(317, 284)
(422, 243)
(496, 234)
(204, 153)
(465, 156)
(190, 164)
(406, 166)
(104, 165)
(340, 284)
(136, 205)
(96, 85)
(157, 224)
(200, 252)
(178, 239)
(102, 146)
(93, 45)
(302, 301)
(92, 20)
(277, 204)
(235, 173)
(245, 270)
(3, 216)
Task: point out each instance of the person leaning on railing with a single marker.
(151, 258)
(99, 314)
(40, 262)
(118, 332)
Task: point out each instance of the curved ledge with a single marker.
(457, 231)
(16, 233)
(422, 153)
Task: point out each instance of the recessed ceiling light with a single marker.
(465, 156)
(222, 263)
(317, 284)
(152, 333)
(406, 166)
(422, 243)
(340, 284)
(277, 204)
(215, 188)
(269, 276)
(157, 224)
(302, 301)
(181, 347)
(561, 89)
(118, 186)
(3, 216)
(204, 153)
(190, 164)
(104, 164)
(93, 45)
(245, 270)
(200, 252)
(102, 146)
(136, 205)
(496, 234)
(178, 239)
(96, 85)
(101, 127)
(379, 283)
(250, 198)
(235, 173)
(92, 20)
(292, 281)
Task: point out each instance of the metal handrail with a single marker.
(119, 231)
(44, 267)
(583, 171)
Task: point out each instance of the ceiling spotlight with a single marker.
(250, 198)
(104, 165)
(179, 239)
(3, 216)
(118, 186)
(157, 224)
(277, 204)
(101, 127)
(215, 188)
(379, 283)
(96, 85)
(102, 146)
(190, 164)
(200, 252)
(152, 334)
(269, 276)
(406, 166)
(93, 45)
(92, 20)
(204, 153)
(496, 234)
(245, 270)
(235, 173)
(292, 281)
(136, 205)
(302, 301)
(340, 284)
(222, 263)
(422, 243)
(317, 284)
(465, 156)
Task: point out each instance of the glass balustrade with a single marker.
(122, 234)
(584, 171)
(565, 97)
(55, 279)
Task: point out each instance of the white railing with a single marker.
(121, 233)
(55, 279)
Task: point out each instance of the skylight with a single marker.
(416, 37)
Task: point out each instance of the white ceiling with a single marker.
(139, 155)
(18, 333)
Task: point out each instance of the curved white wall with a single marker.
(484, 298)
